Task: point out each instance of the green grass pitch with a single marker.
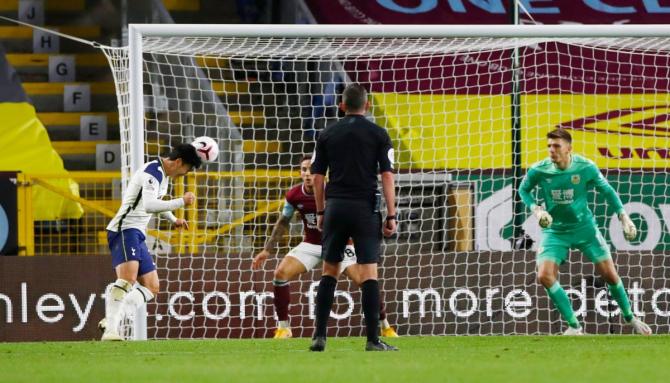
(420, 359)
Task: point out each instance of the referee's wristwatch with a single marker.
(390, 217)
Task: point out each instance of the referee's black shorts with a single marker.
(355, 219)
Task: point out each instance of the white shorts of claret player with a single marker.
(310, 255)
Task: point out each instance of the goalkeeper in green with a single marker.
(567, 223)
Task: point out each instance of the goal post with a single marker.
(459, 264)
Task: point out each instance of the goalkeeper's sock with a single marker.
(383, 322)
(282, 300)
(382, 308)
(370, 300)
(324, 301)
(562, 303)
(114, 301)
(619, 294)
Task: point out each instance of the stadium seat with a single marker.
(86, 32)
(34, 67)
(51, 5)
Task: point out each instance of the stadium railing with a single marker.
(100, 197)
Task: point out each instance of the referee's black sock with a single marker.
(324, 301)
(370, 300)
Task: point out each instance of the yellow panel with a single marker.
(459, 131)
(109, 204)
(447, 131)
(28, 59)
(88, 147)
(51, 5)
(212, 62)
(87, 32)
(78, 147)
(84, 31)
(605, 140)
(72, 118)
(42, 59)
(230, 86)
(247, 118)
(93, 176)
(56, 88)
(182, 5)
(15, 32)
(258, 146)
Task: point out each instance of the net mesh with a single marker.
(463, 261)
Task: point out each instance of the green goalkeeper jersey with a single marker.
(565, 191)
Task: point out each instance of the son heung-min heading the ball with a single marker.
(564, 180)
(126, 233)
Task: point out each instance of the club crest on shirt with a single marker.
(575, 179)
(310, 218)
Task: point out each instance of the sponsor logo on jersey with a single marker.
(563, 196)
(310, 219)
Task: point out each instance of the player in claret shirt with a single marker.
(306, 255)
(564, 180)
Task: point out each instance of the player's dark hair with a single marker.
(306, 157)
(354, 97)
(560, 133)
(187, 153)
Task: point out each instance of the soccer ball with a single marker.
(206, 148)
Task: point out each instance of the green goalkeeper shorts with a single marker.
(555, 246)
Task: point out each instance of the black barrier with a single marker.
(464, 293)
(9, 244)
(475, 293)
(52, 297)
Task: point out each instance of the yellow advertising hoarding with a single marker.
(615, 131)
(473, 132)
(447, 131)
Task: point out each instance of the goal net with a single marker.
(467, 115)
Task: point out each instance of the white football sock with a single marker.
(117, 292)
(139, 296)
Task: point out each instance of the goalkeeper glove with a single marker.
(629, 230)
(542, 216)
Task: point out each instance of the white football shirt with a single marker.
(142, 198)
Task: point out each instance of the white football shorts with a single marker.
(310, 255)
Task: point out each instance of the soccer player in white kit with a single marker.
(126, 232)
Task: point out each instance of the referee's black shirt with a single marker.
(355, 150)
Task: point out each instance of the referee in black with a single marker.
(355, 150)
